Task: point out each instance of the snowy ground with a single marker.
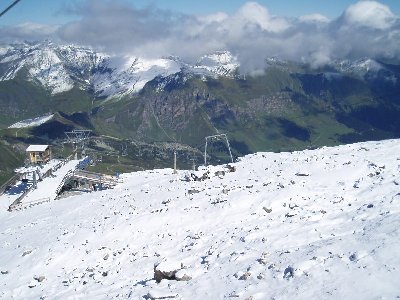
(304, 225)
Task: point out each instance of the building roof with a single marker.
(37, 148)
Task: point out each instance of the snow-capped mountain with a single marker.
(363, 68)
(321, 224)
(358, 67)
(220, 63)
(56, 67)
(60, 67)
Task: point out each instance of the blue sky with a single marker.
(53, 11)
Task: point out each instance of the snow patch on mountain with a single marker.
(50, 71)
(359, 67)
(321, 224)
(32, 122)
(130, 75)
(220, 63)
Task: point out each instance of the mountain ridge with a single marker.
(58, 68)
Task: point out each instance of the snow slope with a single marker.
(321, 224)
(32, 122)
(130, 76)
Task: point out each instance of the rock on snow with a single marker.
(260, 232)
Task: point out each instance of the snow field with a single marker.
(320, 224)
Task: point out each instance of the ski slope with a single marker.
(321, 224)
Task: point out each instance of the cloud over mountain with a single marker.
(252, 33)
(27, 31)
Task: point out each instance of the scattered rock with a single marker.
(26, 253)
(205, 176)
(191, 192)
(267, 210)
(183, 275)
(353, 257)
(39, 278)
(166, 270)
(217, 201)
(370, 206)
(219, 173)
(4, 272)
(106, 256)
(302, 174)
(104, 274)
(245, 276)
(231, 168)
(263, 259)
(288, 273)
(155, 295)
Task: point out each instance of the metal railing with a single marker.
(25, 205)
(19, 199)
(96, 177)
(67, 176)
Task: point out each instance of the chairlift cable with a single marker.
(9, 7)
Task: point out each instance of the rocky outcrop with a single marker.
(171, 271)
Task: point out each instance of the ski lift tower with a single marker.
(78, 137)
(218, 136)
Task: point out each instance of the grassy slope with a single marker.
(315, 106)
(21, 99)
(10, 158)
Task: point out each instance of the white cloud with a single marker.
(371, 14)
(254, 13)
(213, 18)
(28, 31)
(314, 18)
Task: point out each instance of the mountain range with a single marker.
(288, 106)
(58, 68)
